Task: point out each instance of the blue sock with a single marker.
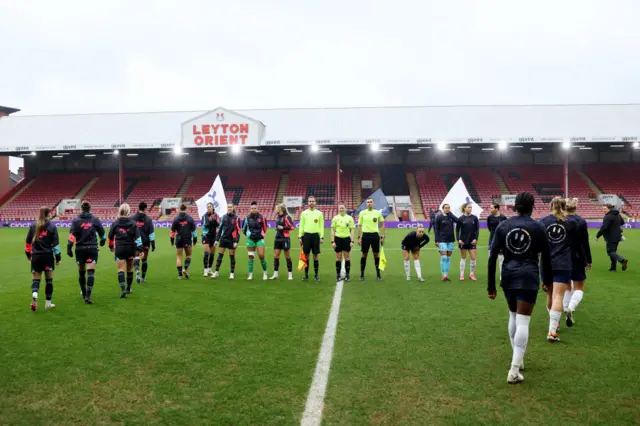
(443, 264)
(447, 264)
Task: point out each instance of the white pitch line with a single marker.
(386, 249)
(312, 415)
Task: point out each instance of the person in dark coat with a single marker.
(611, 230)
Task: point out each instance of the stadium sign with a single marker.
(221, 127)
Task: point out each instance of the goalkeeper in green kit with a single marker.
(311, 235)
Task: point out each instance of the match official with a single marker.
(311, 236)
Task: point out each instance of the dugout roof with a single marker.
(327, 126)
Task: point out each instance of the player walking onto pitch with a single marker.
(255, 228)
(125, 241)
(467, 232)
(148, 236)
(210, 226)
(444, 229)
(284, 225)
(185, 237)
(611, 230)
(311, 236)
(342, 227)
(580, 262)
(227, 238)
(370, 236)
(494, 219)
(42, 248)
(522, 240)
(84, 229)
(561, 232)
(411, 245)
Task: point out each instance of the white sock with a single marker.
(500, 261)
(554, 320)
(566, 299)
(416, 264)
(407, 268)
(472, 267)
(576, 298)
(520, 340)
(463, 266)
(512, 326)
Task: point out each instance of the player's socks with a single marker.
(129, 281)
(554, 320)
(179, 271)
(363, 265)
(82, 280)
(264, 264)
(276, 265)
(187, 263)
(205, 260)
(418, 268)
(289, 265)
(121, 280)
(145, 266)
(463, 266)
(48, 289)
(407, 269)
(447, 265)
(567, 299)
(250, 265)
(211, 256)
(520, 340)
(443, 264)
(35, 285)
(338, 267)
(347, 267)
(576, 298)
(500, 261)
(472, 267)
(136, 264)
(512, 327)
(306, 271)
(91, 276)
(219, 261)
(316, 266)
(232, 260)
(376, 261)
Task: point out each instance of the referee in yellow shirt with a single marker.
(370, 236)
(311, 235)
(342, 227)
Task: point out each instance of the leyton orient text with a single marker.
(220, 134)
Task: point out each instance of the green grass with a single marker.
(220, 352)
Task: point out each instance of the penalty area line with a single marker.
(312, 415)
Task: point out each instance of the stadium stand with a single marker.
(321, 183)
(623, 180)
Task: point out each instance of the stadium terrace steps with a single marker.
(356, 188)
(594, 187)
(282, 188)
(501, 184)
(83, 191)
(184, 187)
(17, 193)
(377, 180)
(414, 192)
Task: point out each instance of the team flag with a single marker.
(383, 259)
(216, 197)
(379, 203)
(302, 263)
(457, 196)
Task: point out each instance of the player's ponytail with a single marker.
(85, 206)
(463, 207)
(285, 211)
(572, 204)
(41, 222)
(558, 208)
(124, 210)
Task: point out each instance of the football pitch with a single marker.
(204, 351)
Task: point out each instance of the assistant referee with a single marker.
(311, 235)
(370, 236)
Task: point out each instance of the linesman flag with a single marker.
(383, 259)
(457, 196)
(216, 197)
(302, 262)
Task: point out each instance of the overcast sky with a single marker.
(75, 56)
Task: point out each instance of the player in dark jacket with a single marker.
(228, 237)
(444, 235)
(84, 233)
(42, 248)
(494, 219)
(210, 224)
(255, 229)
(148, 236)
(561, 232)
(467, 232)
(282, 242)
(433, 213)
(411, 245)
(580, 261)
(184, 236)
(524, 244)
(126, 243)
(611, 230)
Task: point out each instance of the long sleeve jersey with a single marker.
(145, 225)
(287, 225)
(444, 228)
(229, 229)
(184, 228)
(412, 242)
(581, 251)
(468, 228)
(210, 226)
(46, 243)
(493, 222)
(561, 236)
(84, 232)
(124, 233)
(254, 227)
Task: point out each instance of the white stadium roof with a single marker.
(344, 126)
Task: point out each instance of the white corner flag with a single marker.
(215, 196)
(457, 196)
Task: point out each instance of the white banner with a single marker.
(67, 204)
(367, 184)
(170, 203)
(216, 196)
(292, 202)
(508, 200)
(610, 199)
(457, 196)
(221, 127)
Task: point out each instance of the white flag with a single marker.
(216, 197)
(457, 196)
